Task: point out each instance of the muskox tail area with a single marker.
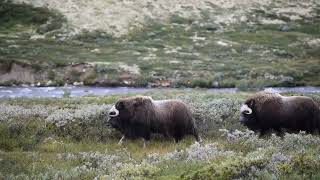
(318, 120)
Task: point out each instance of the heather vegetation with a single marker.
(67, 138)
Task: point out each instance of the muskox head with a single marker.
(129, 111)
(247, 113)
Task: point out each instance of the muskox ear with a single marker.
(120, 105)
(250, 103)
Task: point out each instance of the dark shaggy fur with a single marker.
(140, 116)
(271, 111)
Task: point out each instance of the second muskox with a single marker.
(139, 116)
(266, 111)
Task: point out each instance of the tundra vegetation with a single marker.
(66, 138)
(194, 44)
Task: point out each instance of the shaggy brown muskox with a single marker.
(270, 111)
(140, 116)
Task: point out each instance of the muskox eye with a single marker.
(120, 105)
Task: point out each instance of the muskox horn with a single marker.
(245, 109)
(113, 112)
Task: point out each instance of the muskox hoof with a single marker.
(201, 142)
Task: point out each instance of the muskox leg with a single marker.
(197, 136)
(262, 132)
(279, 132)
(121, 140)
(177, 139)
(199, 139)
(144, 143)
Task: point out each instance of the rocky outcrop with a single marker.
(16, 73)
(22, 73)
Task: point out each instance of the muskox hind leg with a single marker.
(145, 139)
(177, 138)
(144, 143)
(195, 132)
(197, 136)
(121, 140)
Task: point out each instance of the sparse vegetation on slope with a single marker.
(274, 44)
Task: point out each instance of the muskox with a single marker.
(139, 116)
(266, 111)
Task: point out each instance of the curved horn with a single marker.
(245, 109)
(115, 110)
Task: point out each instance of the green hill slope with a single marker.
(193, 44)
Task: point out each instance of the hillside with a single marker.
(159, 43)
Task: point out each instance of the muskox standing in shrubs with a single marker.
(266, 111)
(139, 116)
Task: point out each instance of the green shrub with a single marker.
(229, 168)
(21, 136)
(12, 14)
(51, 75)
(143, 170)
(201, 83)
(305, 164)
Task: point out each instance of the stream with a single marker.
(76, 91)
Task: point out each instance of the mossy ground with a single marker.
(33, 146)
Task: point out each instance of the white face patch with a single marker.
(113, 112)
(245, 109)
